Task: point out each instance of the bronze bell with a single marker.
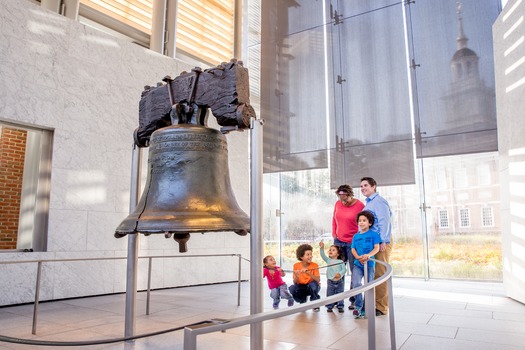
(187, 188)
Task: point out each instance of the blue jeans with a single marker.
(358, 273)
(348, 257)
(335, 287)
(301, 291)
(278, 293)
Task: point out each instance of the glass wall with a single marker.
(401, 91)
(453, 231)
(464, 232)
(297, 209)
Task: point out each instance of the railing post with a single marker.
(391, 314)
(190, 339)
(239, 282)
(148, 294)
(256, 242)
(365, 281)
(370, 312)
(37, 296)
(133, 249)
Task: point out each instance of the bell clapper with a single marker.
(182, 239)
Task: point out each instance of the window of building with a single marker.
(460, 178)
(441, 179)
(442, 198)
(25, 172)
(443, 218)
(484, 174)
(464, 217)
(395, 220)
(487, 219)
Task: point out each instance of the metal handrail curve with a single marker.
(190, 334)
(192, 331)
(150, 258)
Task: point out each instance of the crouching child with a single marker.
(305, 276)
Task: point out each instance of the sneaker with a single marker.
(290, 302)
(329, 310)
(316, 309)
(276, 307)
(351, 306)
(358, 314)
(341, 309)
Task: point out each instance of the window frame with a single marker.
(484, 216)
(442, 218)
(40, 214)
(467, 216)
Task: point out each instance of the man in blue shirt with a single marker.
(383, 225)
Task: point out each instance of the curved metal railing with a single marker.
(148, 290)
(209, 326)
(190, 334)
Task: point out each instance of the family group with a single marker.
(361, 232)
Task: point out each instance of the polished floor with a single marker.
(429, 315)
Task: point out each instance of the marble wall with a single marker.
(509, 59)
(85, 85)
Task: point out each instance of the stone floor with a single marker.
(436, 314)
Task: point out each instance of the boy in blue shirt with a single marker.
(364, 245)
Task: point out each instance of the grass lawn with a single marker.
(455, 256)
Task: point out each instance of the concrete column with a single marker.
(53, 5)
(158, 25)
(237, 33)
(71, 9)
(171, 28)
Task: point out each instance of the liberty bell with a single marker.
(188, 186)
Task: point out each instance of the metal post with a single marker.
(365, 281)
(256, 242)
(133, 249)
(239, 283)
(391, 314)
(37, 296)
(190, 339)
(148, 296)
(370, 312)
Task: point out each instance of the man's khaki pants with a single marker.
(382, 289)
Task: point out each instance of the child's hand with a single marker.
(337, 277)
(363, 258)
(321, 244)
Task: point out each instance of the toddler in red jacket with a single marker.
(278, 288)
